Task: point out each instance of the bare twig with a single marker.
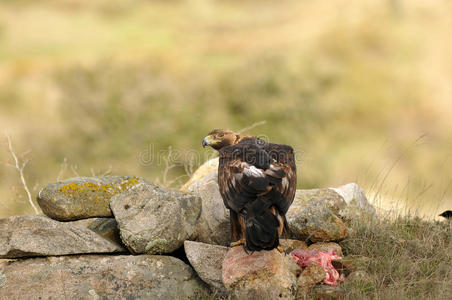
(20, 168)
(62, 169)
(108, 171)
(252, 126)
(74, 170)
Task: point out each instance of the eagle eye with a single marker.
(220, 135)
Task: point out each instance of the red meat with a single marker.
(304, 258)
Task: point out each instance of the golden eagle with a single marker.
(257, 182)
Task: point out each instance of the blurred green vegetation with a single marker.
(361, 89)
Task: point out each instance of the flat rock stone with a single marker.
(155, 220)
(207, 261)
(259, 275)
(24, 236)
(99, 277)
(82, 197)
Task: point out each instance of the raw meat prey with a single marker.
(305, 257)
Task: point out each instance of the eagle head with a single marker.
(220, 138)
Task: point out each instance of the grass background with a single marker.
(361, 89)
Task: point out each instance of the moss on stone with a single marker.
(156, 246)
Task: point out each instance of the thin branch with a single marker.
(20, 169)
(108, 171)
(63, 168)
(252, 126)
(74, 170)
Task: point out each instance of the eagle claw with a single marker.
(237, 243)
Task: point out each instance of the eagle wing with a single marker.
(284, 159)
(256, 170)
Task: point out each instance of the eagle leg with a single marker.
(280, 249)
(237, 243)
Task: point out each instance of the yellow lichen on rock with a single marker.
(83, 197)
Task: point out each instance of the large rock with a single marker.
(321, 215)
(155, 220)
(357, 203)
(213, 226)
(259, 275)
(316, 223)
(325, 197)
(82, 197)
(313, 216)
(99, 277)
(207, 260)
(36, 235)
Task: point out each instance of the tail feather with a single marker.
(261, 226)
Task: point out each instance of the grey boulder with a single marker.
(99, 277)
(259, 274)
(313, 216)
(213, 226)
(155, 220)
(207, 260)
(25, 236)
(357, 203)
(82, 197)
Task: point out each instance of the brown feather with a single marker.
(257, 181)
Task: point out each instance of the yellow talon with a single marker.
(237, 243)
(280, 249)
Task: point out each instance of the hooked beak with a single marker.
(207, 141)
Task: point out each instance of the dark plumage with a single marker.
(257, 182)
(446, 214)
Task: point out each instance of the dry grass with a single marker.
(409, 258)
